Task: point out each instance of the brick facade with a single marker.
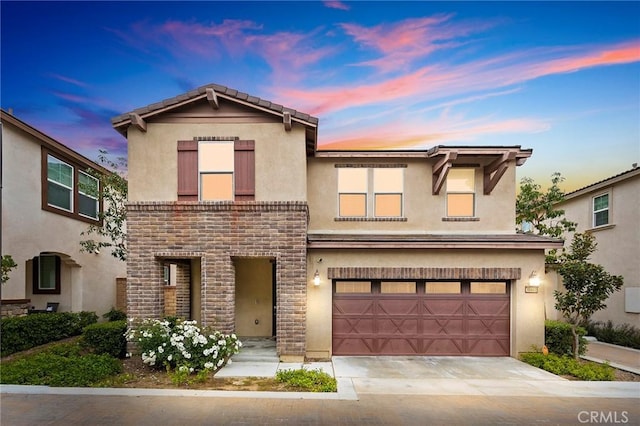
(216, 233)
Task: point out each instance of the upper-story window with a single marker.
(601, 210)
(461, 192)
(370, 192)
(216, 169)
(69, 191)
(215, 164)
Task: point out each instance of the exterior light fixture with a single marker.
(534, 283)
(316, 278)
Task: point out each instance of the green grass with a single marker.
(566, 365)
(62, 364)
(308, 380)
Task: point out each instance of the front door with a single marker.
(254, 297)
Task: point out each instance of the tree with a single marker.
(538, 208)
(7, 265)
(112, 228)
(587, 285)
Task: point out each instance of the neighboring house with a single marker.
(48, 199)
(235, 219)
(609, 211)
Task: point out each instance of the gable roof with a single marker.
(52, 144)
(212, 92)
(628, 174)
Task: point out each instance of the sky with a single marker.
(562, 78)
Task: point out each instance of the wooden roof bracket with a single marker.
(441, 169)
(494, 171)
(212, 98)
(138, 122)
(286, 120)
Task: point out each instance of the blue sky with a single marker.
(561, 78)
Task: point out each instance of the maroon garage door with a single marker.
(421, 318)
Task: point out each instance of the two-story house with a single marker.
(236, 219)
(48, 199)
(608, 209)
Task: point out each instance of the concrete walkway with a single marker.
(620, 357)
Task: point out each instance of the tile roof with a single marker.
(611, 179)
(200, 92)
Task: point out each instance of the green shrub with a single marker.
(559, 339)
(60, 365)
(182, 345)
(115, 315)
(622, 334)
(106, 338)
(22, 333)
(308, 380)
(566, 365)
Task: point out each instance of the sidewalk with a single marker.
(620, 357)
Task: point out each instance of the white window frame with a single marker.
(607, 209)
(71, 188)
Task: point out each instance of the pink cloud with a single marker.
(69, 80)
(404, 42)
(337, 5)
(430, 83)
(402, 135)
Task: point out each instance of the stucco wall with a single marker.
(618, 247)
(88, 280)
(424, 212)
(279, 158)
(527, 309)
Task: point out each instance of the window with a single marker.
(370, 192)
(215, 164)
(46, 274)
(88, 196)
(216, 169)
(353, 286)
(352, 189)
(387, 187)
(398, 287)
(488, 287)
(433, 287)
(60, 184)
(601, 210)
(460, 192)
(67, 190)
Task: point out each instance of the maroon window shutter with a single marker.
(187, 170)
(245, 170)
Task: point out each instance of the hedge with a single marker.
(559, 339)
(106, 338)
(22, 333)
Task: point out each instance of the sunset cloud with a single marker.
(336, 5)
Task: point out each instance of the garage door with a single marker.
(421, 318)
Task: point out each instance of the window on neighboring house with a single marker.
(60, 184)
(88, 204)
(68, 191)
(216, 170)
(352, 192)
(370, 192)
(601, 210)
(46, 274)
(461, 192)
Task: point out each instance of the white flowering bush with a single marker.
(182, 345)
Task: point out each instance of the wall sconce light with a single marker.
(316, 278)
(534, 283)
